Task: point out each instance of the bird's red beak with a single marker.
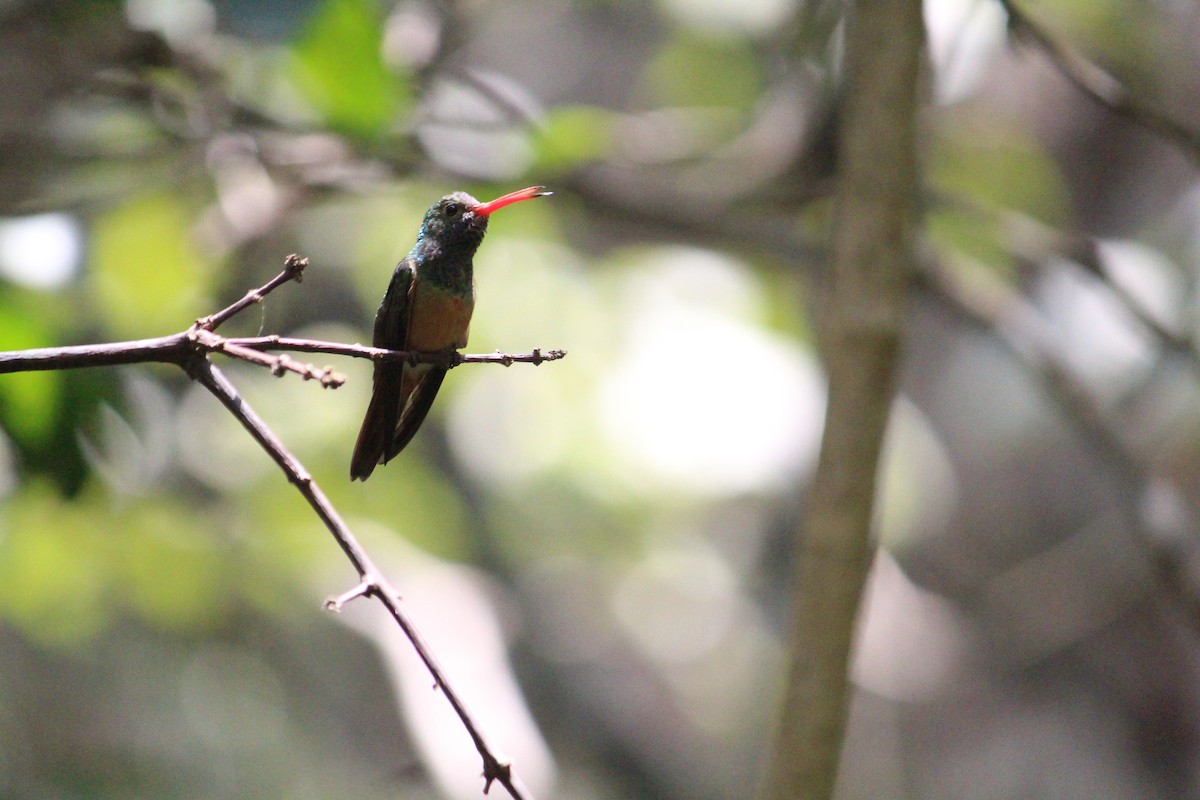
(483, 209)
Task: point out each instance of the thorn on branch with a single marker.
(338, 602)
(496, 770)
(301, 477)
(282, 364)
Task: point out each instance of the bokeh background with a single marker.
(599, 548)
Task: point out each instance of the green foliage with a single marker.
(1101, 30)
(1004, 169)
(148, 276)
(990, 177)
(702, 72)
(28, 401)
(339, 68)
(571, 136)
(70, 567)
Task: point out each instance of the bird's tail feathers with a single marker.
(379, 423)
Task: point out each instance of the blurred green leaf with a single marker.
(28, 401)
(572, 135)
(1001, 168)
(339, 68)
(694, 71)
(53, 578)
(979, 239)
(68, 567)
(149, 278)
(1100, 30)
(169, 570)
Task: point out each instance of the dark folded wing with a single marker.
(383, 414)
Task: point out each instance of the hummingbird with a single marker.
(427, 308)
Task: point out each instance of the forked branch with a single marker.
(1098, 84)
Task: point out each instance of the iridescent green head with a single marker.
(458, 221)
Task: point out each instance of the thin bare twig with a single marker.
(536, 356)
(1101, 86)
(293, 270)
(179, 348)
(277, 364)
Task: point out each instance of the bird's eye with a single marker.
(452, 210)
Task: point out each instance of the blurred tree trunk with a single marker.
(864, 305)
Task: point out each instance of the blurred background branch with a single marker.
(1100, 85)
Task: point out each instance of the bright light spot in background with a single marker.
(480, 141)
(726, 16)
(702, 398)
(677, 604)
(918, 489)
(965, 38)
(1094, 331)
(682, 608)
(507, 427)
(910, 642)
(1147, 276)
(42, 251)
(180, 22)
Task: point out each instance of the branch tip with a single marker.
(293, 267)
(328, 377)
